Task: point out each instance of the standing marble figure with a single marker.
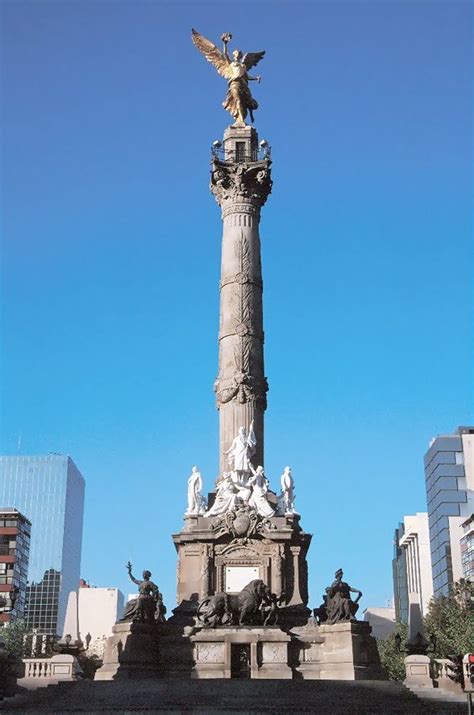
(242, 450)
(195, 499)
(286, 498)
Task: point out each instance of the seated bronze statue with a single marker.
(148, 607)
(339, 605)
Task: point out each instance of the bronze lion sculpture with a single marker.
(232, 609)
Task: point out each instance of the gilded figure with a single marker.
(239, 101)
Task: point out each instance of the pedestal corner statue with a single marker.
(148, 607)
(242, 573)
(196, 501)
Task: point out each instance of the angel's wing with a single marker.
(211, 53)
(250, 59)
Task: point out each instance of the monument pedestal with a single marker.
(343, 651)
(130, 652)
(234, 548)
(241, 652)
(418, 672)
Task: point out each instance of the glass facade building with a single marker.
(49, 491)
(449, 477)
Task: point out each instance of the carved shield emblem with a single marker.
(241, 524)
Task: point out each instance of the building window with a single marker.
(240, 151)
(459, 457)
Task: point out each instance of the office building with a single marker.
(91, 613)
(14, 556)
(449, 476)
(381, 620)
(49, 491)
(467, 548)
(412, 564)
(399, 574)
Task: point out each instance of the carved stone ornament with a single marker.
(246, 181)
(243, 388)
(241, 524)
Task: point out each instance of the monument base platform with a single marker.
(130, 652)
(241, 652)
(343, 651)
(200, 697)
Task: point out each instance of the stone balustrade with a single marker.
(445, 676)
(45, 671)
(37, 667)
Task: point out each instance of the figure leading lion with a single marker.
(240, 609)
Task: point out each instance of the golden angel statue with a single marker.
(238, 100)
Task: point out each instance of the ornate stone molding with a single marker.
(242, 524)
(241, 182)
(241, 279)
(242, 388)
(239, 214)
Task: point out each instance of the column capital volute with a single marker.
(240, 183)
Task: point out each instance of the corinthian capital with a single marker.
(241, 182)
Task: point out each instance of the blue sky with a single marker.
(111, 258)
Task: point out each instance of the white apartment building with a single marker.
(92, 612)
(412, 564)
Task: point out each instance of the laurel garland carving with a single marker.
(244, 313)
(244, 253)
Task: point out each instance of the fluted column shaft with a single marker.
(241, 186)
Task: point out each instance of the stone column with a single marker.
(204, 572)
(296, 599)
(277, 575)
(241, 184)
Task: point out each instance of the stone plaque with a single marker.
(274, 652)
(311, 653)
(61, 669)
(237, 577)
(418, 670)
(211, 652)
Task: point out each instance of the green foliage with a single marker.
(391, 658)
(89, 664)
(13, 633)
(451, 620)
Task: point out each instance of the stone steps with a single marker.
(229, 696)
(437, 694)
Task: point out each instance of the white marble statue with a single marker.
(241, 451)
(196, 501)
(286, 498)
(226, 495)
(258, 499)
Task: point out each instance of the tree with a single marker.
(13, 634)
(89, 664)
(451, 620)
(391, 658)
